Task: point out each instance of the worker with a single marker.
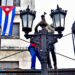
(51, 48)
(33, 52)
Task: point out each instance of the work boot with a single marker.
(55, 67)
(49, 68)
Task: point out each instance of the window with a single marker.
(10, 2)
(9, 64)
(16, 2)
(15, 31)
(7, 2)
(0, 2)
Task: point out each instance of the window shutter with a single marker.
(15, 31)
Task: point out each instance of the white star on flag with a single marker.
(7, 9)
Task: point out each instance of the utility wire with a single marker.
(62, 36)
(11, 55)
(29, 42)
(65, 56)
(24, 50)
(66, 34)
(25, 40)
(17, 37)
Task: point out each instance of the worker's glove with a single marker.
(36, 28)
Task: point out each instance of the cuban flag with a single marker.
(7, 14)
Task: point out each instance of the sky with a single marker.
(64, 45)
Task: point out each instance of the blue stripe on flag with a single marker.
(11, 25)
(5, 25)
(0, 16)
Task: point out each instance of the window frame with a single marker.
(16, 4)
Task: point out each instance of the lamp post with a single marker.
(58, 17)
(73, 35)
(46, 37)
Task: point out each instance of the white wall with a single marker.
(23, 58)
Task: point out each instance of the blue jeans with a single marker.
(33, 53)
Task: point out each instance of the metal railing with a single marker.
(38, 72)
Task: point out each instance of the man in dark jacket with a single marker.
(51, 47)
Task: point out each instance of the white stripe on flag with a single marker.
(3, 20)
(9, 22)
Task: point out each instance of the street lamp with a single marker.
(46, 37)
(73, 35)
(58, 17)
(27, 18)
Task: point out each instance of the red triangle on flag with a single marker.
(7, 9)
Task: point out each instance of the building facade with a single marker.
(13, 51)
